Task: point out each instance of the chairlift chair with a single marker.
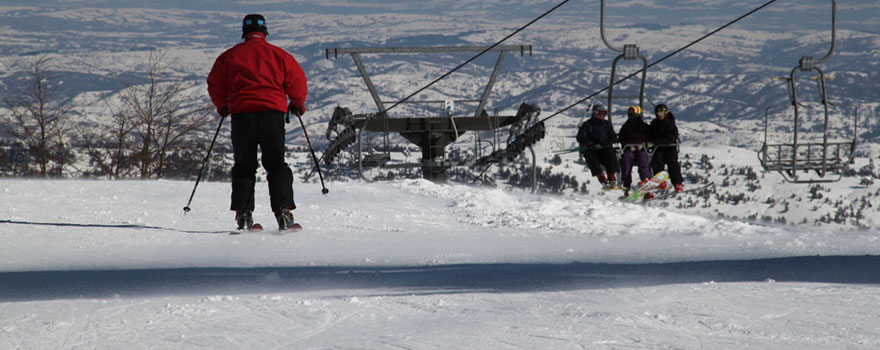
(627, 52)
(826, 159)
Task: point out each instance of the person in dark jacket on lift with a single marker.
(596, 138)
(252, 81)
(664, 135)
(634, 138)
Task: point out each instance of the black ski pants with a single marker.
(264, 129)
(667, 156)
(597, 158)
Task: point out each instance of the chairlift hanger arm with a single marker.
(628, 52)
(808, 63)
(641, 96)
(833, 32)
(602, 29)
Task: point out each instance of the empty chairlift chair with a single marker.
(803, 159)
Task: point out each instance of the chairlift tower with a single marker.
(430, 134)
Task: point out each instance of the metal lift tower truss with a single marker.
(431, 134)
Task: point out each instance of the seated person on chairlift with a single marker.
(664, 135)
(596, 139)
(634, 137)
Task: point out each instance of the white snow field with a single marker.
(417, 265)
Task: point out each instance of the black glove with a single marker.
(295, 110)
(223, 112)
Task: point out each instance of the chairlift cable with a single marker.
(476, 56)
(646, 67)
(662, 59)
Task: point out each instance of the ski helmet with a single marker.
(661, 108)
(253, 23)
(634, 111)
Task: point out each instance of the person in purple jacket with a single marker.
(634, 138)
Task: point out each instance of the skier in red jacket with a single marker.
(252, 81)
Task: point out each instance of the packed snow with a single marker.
(416, 265)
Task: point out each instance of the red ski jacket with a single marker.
(256, 76)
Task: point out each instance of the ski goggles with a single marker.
(661, 113)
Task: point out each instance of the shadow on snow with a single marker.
(414, 280)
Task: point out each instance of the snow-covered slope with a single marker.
(412, 264)
(434, 224)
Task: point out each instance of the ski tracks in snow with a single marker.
(571, 215)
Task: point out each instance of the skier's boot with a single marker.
(612, 182)
(285, 219)
(244, 219)
(602, 180)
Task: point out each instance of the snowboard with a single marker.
(691, 189)
(647, 189)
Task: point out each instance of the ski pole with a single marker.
(324, 189)
(313, 168)
(186, 209)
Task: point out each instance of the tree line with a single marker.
(152, 130)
